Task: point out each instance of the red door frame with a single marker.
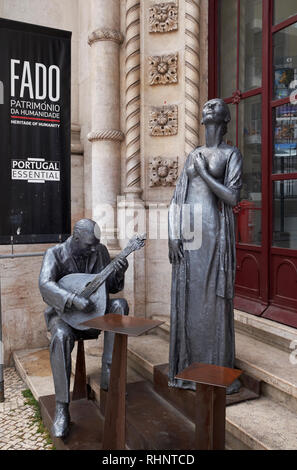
(281, 311)
(268, 177)
(253, 302)
(266, 144)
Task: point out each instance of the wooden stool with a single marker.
(80, 390)
(212, 382)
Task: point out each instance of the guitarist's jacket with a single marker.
(59, 261)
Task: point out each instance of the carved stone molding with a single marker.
(163, 69)
(106, 134)
(105, 34)
(133, 170)
(162, 171)
(76, 145)
(192, 76)
(163, 17)
(76, 148)
(163, 120)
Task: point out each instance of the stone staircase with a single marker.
(263, 351)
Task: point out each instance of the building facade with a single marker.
(141, 71)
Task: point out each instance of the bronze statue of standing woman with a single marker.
(203, 264)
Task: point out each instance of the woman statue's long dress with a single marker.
(203, 267)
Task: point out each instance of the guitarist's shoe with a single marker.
(61, 423)
(105, 376)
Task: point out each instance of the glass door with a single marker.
(236, 63)
(283, 170)
(253, 67)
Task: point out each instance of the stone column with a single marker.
(106, 136)
(77, 175)
(192, 75)
(132, 45)
(132, 205)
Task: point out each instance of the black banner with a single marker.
(34, 133)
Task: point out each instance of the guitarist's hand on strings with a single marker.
(82, 304)
(121, 265)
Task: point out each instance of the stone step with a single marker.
(152, 422)
(246, 425)
(93, 357)
(263, 351)
(280, 336)
(261, 424)
(238, 435)
(270, 365)
(162, 330)
(145, 352)
(264, 362)
(243, 426)
(185, 400)
(33, 366)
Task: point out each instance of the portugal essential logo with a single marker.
(35, 170)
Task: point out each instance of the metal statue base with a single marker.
(86, 427)
(157, 416)
(138, 416)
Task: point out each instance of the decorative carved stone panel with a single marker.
(163, 120)
(163, 69)
(163, 17)
(163, 171)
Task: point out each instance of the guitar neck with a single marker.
(103, 275)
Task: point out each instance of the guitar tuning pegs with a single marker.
(141, 236)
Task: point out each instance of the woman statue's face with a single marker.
(214, 111)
